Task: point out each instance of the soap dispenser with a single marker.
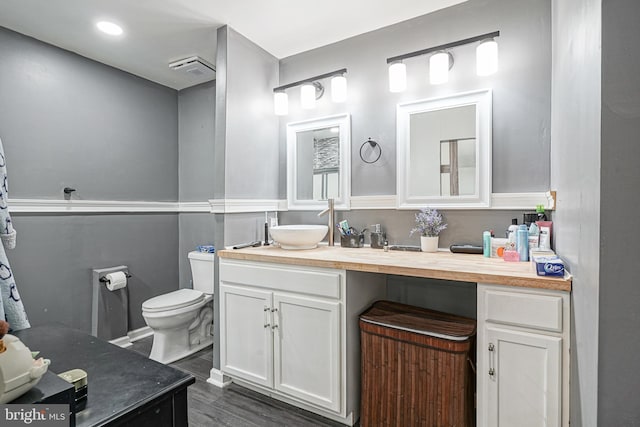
(377, 237)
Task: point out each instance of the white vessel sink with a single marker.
(299, 236)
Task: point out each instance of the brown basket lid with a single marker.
(420, 320)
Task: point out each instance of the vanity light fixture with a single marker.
(487, 57)
(110, 28)
(441, 60)
(439, 65)
(308, 96)
(311, 90)
(281, 103)
(397, 77)
(339, 88)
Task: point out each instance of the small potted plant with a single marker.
(429, 224)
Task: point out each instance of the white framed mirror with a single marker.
(319, 162)
(444, 152)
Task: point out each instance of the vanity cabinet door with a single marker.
(246, 343)
(307, 349)
(523, 378)
(523, 356)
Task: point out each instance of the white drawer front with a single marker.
(325, 283)
(524, 309)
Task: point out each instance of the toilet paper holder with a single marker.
(104, 279)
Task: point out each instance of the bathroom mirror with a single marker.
(318, 162)
(444, 152)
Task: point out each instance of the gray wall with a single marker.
(251, 140)
(462, 226)
(196, 169)
(521, 105)
(575, 166)
(55, 254)
(194, 229)
(246, 139)
(521, 88)
(67, 120)
(619, 337)
(196, 136)
(250, 137)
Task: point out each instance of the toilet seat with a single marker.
(173, 300)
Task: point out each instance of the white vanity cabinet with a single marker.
(291, 332)
(523, 357)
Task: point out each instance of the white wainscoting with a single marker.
(504, 201)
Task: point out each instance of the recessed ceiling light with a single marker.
(109, 28)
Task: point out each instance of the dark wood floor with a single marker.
(234, 405)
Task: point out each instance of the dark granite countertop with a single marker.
(119, 381)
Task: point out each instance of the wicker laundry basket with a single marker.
(417, 367)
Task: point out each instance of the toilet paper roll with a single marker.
(117, 280)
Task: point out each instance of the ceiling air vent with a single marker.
(195, 66)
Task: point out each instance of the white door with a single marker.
(246, 340)
(307, 349)
(524, 379)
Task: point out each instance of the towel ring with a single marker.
(373, 145)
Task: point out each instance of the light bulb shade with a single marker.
(487, 58)
(397, 77)
(280, 103)
(308, 96)
(439, 68)
(339, 89)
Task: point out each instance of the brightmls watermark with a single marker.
(40, 415)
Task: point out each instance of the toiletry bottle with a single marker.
(534, 236)
(486, 244)
(522, 242)
(511, 231)
(540, 211)
(266, 229)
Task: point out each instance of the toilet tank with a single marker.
(202, 270)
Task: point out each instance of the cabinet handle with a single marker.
(266, 314)
(492, 371)
(274, 312)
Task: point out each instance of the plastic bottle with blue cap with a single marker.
(522, 242)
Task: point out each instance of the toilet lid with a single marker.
(173, 300)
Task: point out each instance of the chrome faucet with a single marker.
(332, 221)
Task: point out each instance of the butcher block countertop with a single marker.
(440, 265)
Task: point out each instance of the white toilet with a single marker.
(182, 320)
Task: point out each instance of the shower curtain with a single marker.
(11, 308)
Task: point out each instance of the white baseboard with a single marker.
(194, 207)
(247, 205)
(103, 206)
(514, 201)
(218, 379)
(123, 342)
(138, 334)
(504, 201)
(373, 202)
(132, 336)
(522, 201)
